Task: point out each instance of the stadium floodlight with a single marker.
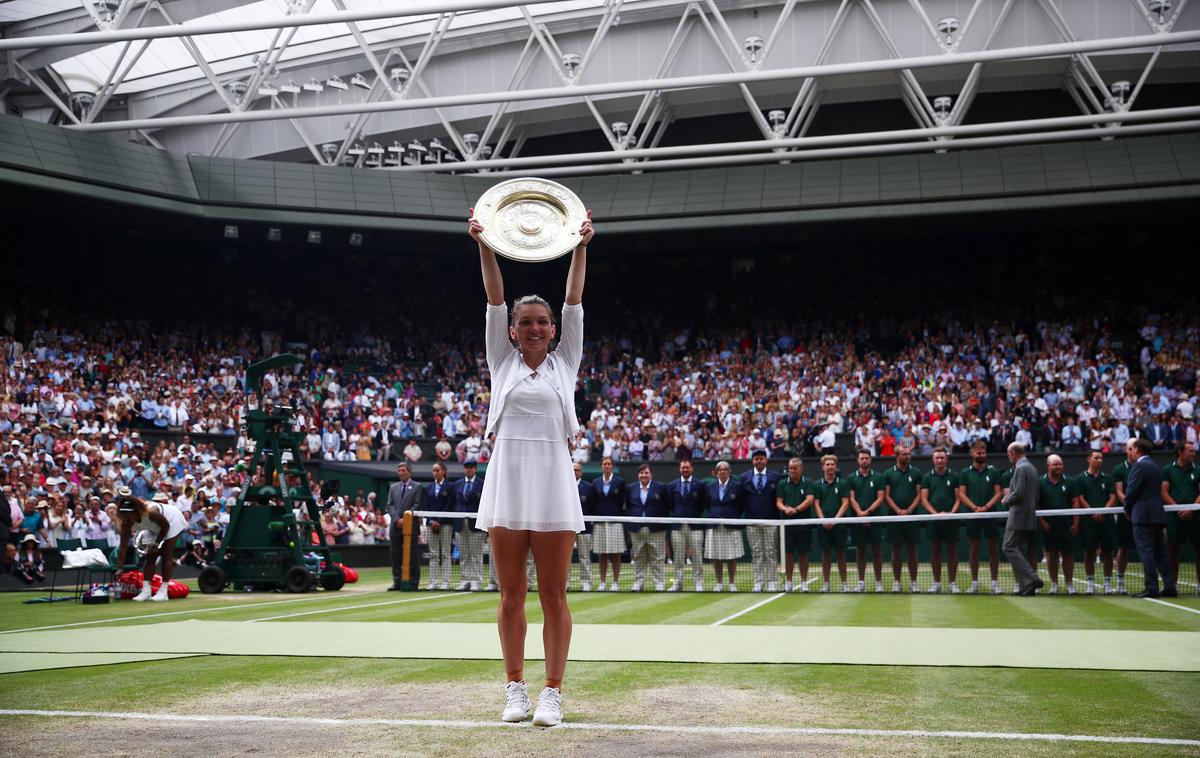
(373, 160)
(274, 234)
(268, 88)
(290, 88)
(106, 11)
(335, 82)
(485, 152)
(395, 147)
(375, 149)
(295, 6)
(360, 81)
(399, 76)
(753, 45)
(314, 237)
(416, 153)
(437, 150)
(357, 149)
(619, 130)
(312, 85)
(571, 62)
(941, 106)
(1160, 9)
(1120, 91)
(329, 150)
(471, 140)
(392, 159)
(237, 89)
(81, 102)
(777, 119)
(948, 27)
(356, 239)
(231, 232)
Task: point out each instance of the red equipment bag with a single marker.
(351, 574)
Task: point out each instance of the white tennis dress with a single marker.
(530, 482)
(176, 522)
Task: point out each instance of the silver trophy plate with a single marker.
(530, 219)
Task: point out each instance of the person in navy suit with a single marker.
(723, 544)
(1144, 506)
(687, 500)
(1158, 433)
(583, 540)
(758, 493)
(648, 542)
(608, 537)
(439, 496)
(471, 541)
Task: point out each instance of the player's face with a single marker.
(606, 467)
(829, 468)
(533, 328)
(939, 461)
(979, 456)
(1055, 467)
(903, 456)
(685, 469)
(864, 460)
(578, 471)
(1131, 452)
(644, 476)
(723, 473)
(1094, 461)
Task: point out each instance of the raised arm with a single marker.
(578, 270)
(493, 282)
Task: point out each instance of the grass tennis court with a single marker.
(349, 695)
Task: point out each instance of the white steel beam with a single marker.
(799, 147)
(668, 83)
(428, 7)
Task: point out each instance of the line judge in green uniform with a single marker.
(900, 491)
(939, 495)
(1181, 486)
(1094, 489)
(979, 491)
(1125, 546)
(1058, 492)
(866, 499)
(794, 501)
(832, 501)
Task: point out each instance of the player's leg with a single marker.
(936, 560)
(552, 554)
(166, 552)
(509, 549)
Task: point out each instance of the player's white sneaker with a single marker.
(1108, 590)
(637, 587)
(1121, 587)
(954, 588)
(789, 587)
(161, 595)
(491, 587)
(974, 588)
(861, 586)
(732, 587)
(659, 588)
(845, 587)
(995, 588)
(936, 587)
(699, 586)
(675, 587)
(1091, 586)
(516, 702)
(1054, 588)
(613, 587)
(824, 586)
(912, 587)
(772, 587)
(549, 708)
(1070, 589)
(144, 594)
(586, 586)
(718, 587)
(804, 586)
(600, 587)
(896, 586)
(757, 587)
(879, 586)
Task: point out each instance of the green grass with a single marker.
(834, 696)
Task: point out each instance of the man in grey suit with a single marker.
(1144, 506)
(1021, 501)
(404, 495)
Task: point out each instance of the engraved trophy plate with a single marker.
(530, 219)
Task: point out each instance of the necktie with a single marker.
(687, 486)
(467, 489)
(758, 483)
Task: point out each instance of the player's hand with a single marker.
(1074, 529)
(435, 525)
(1186, 515)
(828, 527)
(586, 231)
(474, 228)
(1098, 518)
(1045, 525)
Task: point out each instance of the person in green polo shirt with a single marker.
(794, 501)
(866, 499)
(1181, 486)
(1125, 546)
(979, 491)
(939, 495)
(832, 501)
(901, 485)
(1058, 532)
(1095, 489)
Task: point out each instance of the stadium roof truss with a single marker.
(220, 64)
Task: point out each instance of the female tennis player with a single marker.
(530, 501)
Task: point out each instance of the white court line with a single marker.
(356, 607)
(1173, 605)
(584, 726)
(759, 604)
(175, 613)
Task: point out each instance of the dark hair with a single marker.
(645, 467)
(979, 445)
(1143, 445)
(940, 449)
(528, 300)
(862, 451)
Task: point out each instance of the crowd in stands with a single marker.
(687, 359)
